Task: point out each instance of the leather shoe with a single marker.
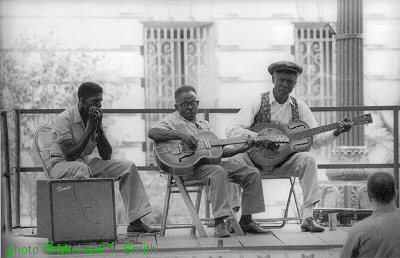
(143, 228)
(229, 227)
(221, 231)
(253, 228)
(310, 225)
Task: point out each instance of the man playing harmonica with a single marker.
(76, 132)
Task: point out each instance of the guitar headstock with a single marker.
(364, 119)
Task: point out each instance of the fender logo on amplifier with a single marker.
(60, 189)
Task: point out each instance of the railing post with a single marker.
(7, 173)
(17, 168)
(396, 150)
(207, 187)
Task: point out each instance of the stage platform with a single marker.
(286, 242)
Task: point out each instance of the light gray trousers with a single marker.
(220, 177)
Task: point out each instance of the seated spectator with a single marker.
(379, 234)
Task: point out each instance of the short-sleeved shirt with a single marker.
(69, 126)
(375, 236)
(175, 121)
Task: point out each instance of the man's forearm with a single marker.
(238, 131)
(104, 147)
(229, 152)
(73, 152)
(160, 135)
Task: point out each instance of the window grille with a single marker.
(315, 50)
(174, 55)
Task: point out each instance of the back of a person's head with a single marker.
(381, 187)
(88, 89)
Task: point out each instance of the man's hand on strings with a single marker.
(250, 142)
(189, 140)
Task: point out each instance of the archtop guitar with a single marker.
(300, 139)
(176, 158)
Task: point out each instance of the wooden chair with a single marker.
(42, 141)
(184, 188)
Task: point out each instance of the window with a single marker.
(315, 50)
(175, 54)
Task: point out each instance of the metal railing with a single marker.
(18, 169)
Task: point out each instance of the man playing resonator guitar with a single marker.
(183, 125)
(278, 107)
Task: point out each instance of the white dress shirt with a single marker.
(280, 114)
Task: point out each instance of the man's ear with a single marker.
(273, 79)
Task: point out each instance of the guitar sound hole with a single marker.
(270, 150)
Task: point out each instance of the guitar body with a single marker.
(265, 157)
(176, 158)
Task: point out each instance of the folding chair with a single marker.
(184, 188)
(292, 193)
(42, 141)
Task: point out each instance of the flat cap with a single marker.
(284, 65)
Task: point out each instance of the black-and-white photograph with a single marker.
(200, 128)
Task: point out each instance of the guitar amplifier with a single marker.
(76, 211)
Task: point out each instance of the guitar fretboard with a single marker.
(317, 130)
(223, 142)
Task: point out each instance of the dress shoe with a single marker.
(253, 228)
(221, 231)
(143, 228)
(229, 227)
(310, 225)
(211, 224)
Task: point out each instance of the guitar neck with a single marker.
(224, 142)
(317, 130)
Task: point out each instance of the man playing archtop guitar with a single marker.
(183, 125)
(279, 110)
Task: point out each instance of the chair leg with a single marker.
(166, 206)
(189, 205)
(197, 204)
(295, 197)
(286, 214)
(291, 191)
(207, 203)
(235, 224)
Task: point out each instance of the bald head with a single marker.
(381, 187)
